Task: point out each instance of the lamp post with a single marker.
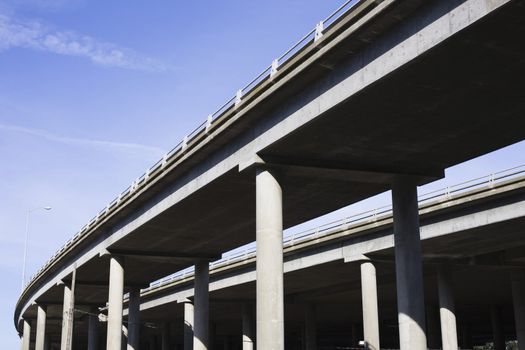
(26, 239)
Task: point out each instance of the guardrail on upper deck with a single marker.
(312, 36)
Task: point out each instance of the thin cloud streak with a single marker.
(34, 35)
(124, 147)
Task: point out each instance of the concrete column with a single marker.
(134, 319)
(369, 301)
(409, 274)
(247, 327)
(26, 335)
(188, 325)
(116, 294)
(269, 264)
(497, 329)
(518, 298)
(66, 340)
(201, 310)
(310, 328)
(40, 327)
(165, 336)
(93, 336)
(447, 313)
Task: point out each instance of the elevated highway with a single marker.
(473, 230)
(388, 95)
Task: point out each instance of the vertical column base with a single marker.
(116, 294)
(269, 263)
(409, 269)
(201, 307)
(369, 302)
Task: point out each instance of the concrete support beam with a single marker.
(202, 301)
(518, 298)
(269, 264)
(409, 274)
(447, 312)
(247, 327)
(41, 327)
(168, 255)
(189, 316)
(134, 319)
(26, 335)
(66, 339)
(115, 298)
(369, 302)
(165, 336)
(497, 329)
(93, 334)
(310, 328)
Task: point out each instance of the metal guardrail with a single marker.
(312, 36)
(442, 194)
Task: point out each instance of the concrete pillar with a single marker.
(310, 328)
(165, 336)
(134, 319)
(369, 302)
(433, 327)
(26, 335)
(409, 274)
(93, 336)
(201, 309)
(66, 340)
(497, 329)
(124, 342)
(116, 294)
(188, 325)
(247, 327)
(269, 264)
(447, 313)
(518, 298)
(40, 327)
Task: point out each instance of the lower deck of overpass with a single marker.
(481, 287)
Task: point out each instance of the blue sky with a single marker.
(93, 93)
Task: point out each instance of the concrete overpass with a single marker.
(386, 97)
(473, 232)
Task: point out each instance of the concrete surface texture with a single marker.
(388, 98)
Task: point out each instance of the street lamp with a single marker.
(26, 239)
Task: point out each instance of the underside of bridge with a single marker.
(481, 261)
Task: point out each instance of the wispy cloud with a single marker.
(149, 152)
(37, 36)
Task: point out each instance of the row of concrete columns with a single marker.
(270, 291)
